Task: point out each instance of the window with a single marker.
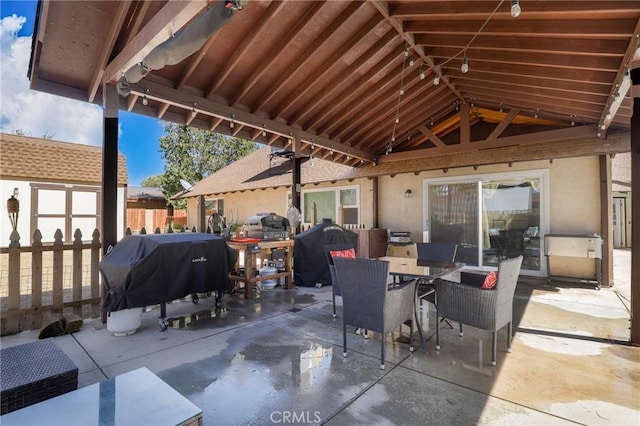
(66, 208)
(340, 204)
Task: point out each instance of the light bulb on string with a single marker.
(193, 111)
(465, 64)
(232, 124)
(515, 8)
(264, 132)
(422, 75)
(411, 61)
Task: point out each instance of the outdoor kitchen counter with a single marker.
(250, 249)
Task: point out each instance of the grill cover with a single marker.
(144, 270)
(308, 252)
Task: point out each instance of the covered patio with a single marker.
(278, 358)
(386, 87)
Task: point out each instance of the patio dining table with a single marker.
(407, 267)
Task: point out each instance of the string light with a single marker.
(500, 106)
(264, 131)
(535, 114)
(515, 8)
(465, 63)
(411, 61)
(436, 79)
(145, 101)
(422, 75)
(232, 124)
(573, 120)
(193, 111)
(401, 93)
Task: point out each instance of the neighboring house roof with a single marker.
(260, 169)
(621, 172)
(144, 193)
(37, 159)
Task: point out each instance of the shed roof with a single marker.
(38, 159)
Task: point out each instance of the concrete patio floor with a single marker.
(257, 362)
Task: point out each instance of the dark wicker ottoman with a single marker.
(34, 372)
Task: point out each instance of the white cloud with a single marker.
(37, 113)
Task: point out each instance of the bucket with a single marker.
(268, 270)
(124, 322)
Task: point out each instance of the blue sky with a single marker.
(72, 121)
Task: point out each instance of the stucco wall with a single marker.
(240, 205)
(574, 201)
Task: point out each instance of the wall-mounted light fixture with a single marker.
(407, 193)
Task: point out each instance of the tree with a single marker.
(152, 181)
(193, 154)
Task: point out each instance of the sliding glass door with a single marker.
(490, 217)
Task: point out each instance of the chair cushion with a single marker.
(490, 280)
(351, 253)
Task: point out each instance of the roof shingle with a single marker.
(260, 169)
(28, 158)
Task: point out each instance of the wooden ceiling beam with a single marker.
(195, 60)
(480, 9)
(587, 28)
(531, 138)
(185, 101)
(230, 64)
(503, 124)
(589, 47)
(398, 25)
(315, 78)
(622, 82)
(304, 59)
(532, 101)
(107, 48)
(556, 59)
(355, 91)
(600, 77)
(531, 82)
(379, 120)
(173, 16)
(354, 79)
(277, 51)
(537, 91)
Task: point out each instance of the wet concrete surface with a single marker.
(278, 360)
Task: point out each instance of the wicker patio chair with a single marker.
(434, 252)
(487, 309)
(368, 302)
(335, 287)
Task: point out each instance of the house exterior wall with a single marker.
(24, 222)
(241, 205)
(574, 201)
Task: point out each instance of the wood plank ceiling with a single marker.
(354, 81)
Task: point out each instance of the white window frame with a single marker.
(336, 190)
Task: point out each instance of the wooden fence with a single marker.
(56, 277)
(50, 277)
(158, 218)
